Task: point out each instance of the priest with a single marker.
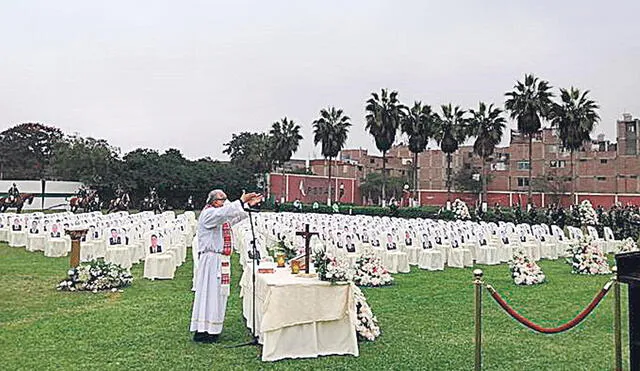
(214, 246)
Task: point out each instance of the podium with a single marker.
(76, 235)
(629, 272)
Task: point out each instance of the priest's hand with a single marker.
(251, 199)
(246, 197)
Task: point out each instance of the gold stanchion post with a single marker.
(477, 282)
(617, 323)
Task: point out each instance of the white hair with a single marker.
(213, 195)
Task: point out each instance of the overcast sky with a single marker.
(188, 74)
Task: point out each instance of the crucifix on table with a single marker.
(307, 237)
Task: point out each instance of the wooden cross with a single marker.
(307, 237)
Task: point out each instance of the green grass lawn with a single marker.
(426, 319)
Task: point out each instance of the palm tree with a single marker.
(286, 137)
(529, 103)
(383, 119)
(331, 130)
(487, 125)
(418, 124)
(574, 118)
(452, 129)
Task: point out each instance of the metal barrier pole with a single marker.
(477, 282)
(617, 324)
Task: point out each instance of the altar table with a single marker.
(300, 317)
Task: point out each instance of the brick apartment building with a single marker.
(605, 172)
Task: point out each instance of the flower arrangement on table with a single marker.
(96, 275)
(588, 215)
(282, 248)
(587, 258)
(331, 268)
(524, 270)
(370, 272)
(367, 326)
(460, 210)
(628, 245)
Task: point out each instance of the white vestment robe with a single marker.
(210, 301)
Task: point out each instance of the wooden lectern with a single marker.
(76, 235)
(628, 265)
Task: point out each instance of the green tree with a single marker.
(143, 169)
(529, 103)
(452, 130)
(286, 138)
(486, 124)
(88, 160)
(251, 152)
(331, 129)
(384, 113)
(464, 181)
(26, 150)
(574, 117)
(418, 123)
(371, 187)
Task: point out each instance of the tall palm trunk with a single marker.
(484, 182)
(415, 177)
(329, 194)
(384, 176)
(448, 176)
(573, 181)
(530, 168)
(284, 185)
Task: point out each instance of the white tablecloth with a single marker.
(118, 255)
(300, 317)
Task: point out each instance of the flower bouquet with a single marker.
(367, 324)
(628, 245)
(460, 210)
(524, 270)
(96, 275)
(587, 258)
(370, 272)
(588, 215)
(332, 269)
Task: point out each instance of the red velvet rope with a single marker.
(550, 330)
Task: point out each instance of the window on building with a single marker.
(523, 182)
(523, 165)
(631, 127)
(557, 163)
(467, 166)
(372, 161)
(583, 160)
(603, 161)
(601, 178)
(553, 163)
(550, 178)
(470, 154)
(552, 148)
(633, 176)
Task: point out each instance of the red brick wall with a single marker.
(315, 188)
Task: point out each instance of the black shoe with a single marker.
(200, 337)
(211, 338)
